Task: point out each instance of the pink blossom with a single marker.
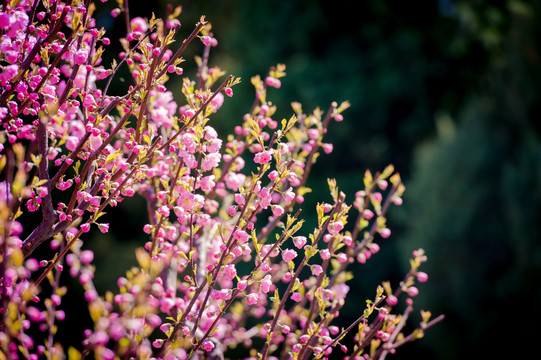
(234, 180)
(139, 25)
(273, 175)
(232, 210)
(5, 20)
(80, 57)
(251, 299)
(335, 227)
(9, 72)
(273, 82)
(225, 294)
(95, 142)
(241, 235)
(299, 241)
(266, 284)
(289, 196)
(19, 21)
(241, 285)
(316, 270)
(211, 161)
(208, 345)
(268, 247)
(342, 258)
(207, 183)
(296, 297)
(71, 143)
(230, 272)
(210, 133)
(33, 204)
(325, 254)
(42, 191)
(288, 255)
(88, 100)
(239, 199)
(104, 228)
(277, 210)
(262, 157)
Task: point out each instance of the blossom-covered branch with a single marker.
(228, 260)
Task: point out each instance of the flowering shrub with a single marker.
(227, 263)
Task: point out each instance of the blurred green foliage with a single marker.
(448, 91)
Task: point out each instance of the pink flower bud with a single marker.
(206, 40)
(87, 256)
(241, 285)
(422, 276)
(104, 228)
(368, 214)
(232, 210)
(413, 291)
(385, 232)
(392, 300)
(273, 82)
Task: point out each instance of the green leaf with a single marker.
(77, 166)
(387, 172)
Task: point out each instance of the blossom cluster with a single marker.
(227, 263)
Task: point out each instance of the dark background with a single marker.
(447, 91)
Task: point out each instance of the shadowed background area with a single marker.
(447, 91)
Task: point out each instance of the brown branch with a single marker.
(47, 210)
